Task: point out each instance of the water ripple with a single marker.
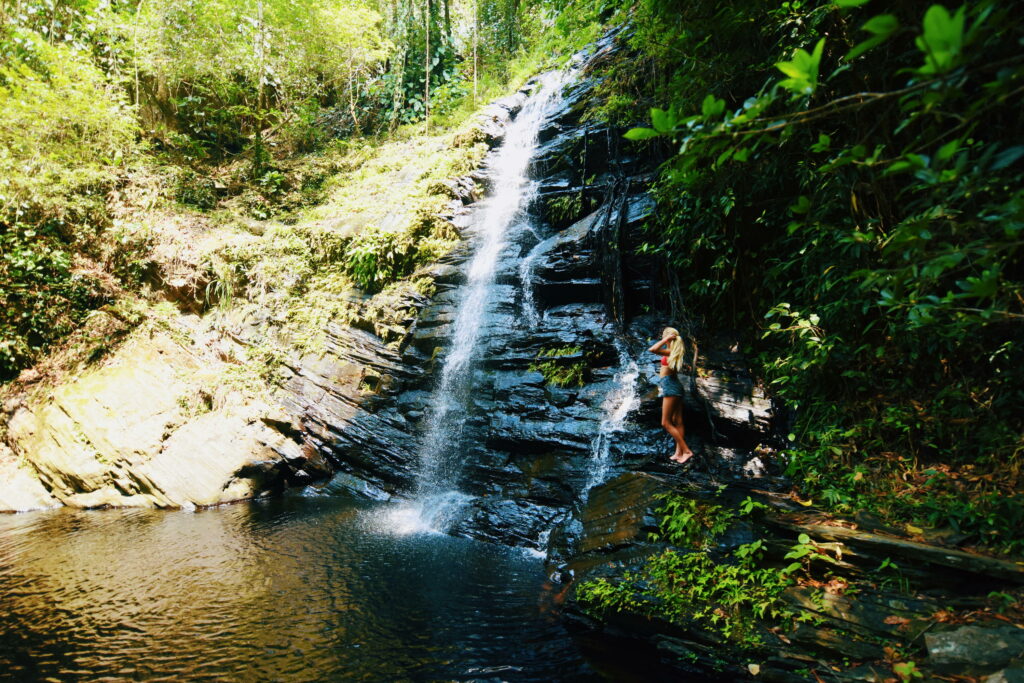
(291, 590)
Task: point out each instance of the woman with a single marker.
(671, 349)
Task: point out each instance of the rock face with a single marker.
(156, 424)
(529, 448)
(127, 434)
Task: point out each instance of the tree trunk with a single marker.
(352, 94)
(447, 22)
(258, 151)
(426, 75)
(476, 40)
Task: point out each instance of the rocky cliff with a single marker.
(174, 415)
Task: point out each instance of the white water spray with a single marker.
(618, 404)
(526, 280)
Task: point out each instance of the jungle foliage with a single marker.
(94, 90)
(843, 180)
(734, 594)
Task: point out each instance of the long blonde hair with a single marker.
(676, 349)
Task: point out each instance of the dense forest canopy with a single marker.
(842, 182)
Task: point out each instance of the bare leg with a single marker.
(668, 410)
(677, 415)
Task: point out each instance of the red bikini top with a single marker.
(664, 360)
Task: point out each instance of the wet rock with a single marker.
(1013, 674)
(447, 274)
(975, 649)
(512, 432)
(349, 485)
(511, 522)
(618, 514)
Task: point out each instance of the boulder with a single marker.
(141, 431)
(20, 488)
(509, 521)
(976, 649)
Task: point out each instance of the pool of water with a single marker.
(292, 589)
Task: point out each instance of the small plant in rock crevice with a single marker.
(557, 371)
(566, 207)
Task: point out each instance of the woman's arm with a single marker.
(658, 347)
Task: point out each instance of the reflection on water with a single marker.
(293, 589)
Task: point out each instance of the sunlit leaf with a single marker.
(641, 134)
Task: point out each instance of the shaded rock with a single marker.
(737, 407)
(978, 649)
(512, 522)
(618, 514)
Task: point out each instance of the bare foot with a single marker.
(686, 456)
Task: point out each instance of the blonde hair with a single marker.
(676, 349)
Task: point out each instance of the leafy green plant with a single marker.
(880, 220)
(44, 300)
(560, 351)
(907, 671)
(561, 374)
(377, 257)
(731, 598)
(892, 576)
(565, 208)
(805, 552)
(195, 190)
(802, 70)
(558, 371)
(691, 523)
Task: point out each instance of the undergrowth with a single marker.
(736, 596)
(843, 183)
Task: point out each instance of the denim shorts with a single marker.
(669, 385)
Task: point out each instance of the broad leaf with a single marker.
(641, 134)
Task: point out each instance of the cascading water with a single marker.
(526, 280)
(618, 404)
(438, 499)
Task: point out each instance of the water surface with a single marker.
(289, 589)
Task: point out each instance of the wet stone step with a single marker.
(513, 522)
(510, 432)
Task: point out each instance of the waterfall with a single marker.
(499, 219)
(618, 404)
(526, 282)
